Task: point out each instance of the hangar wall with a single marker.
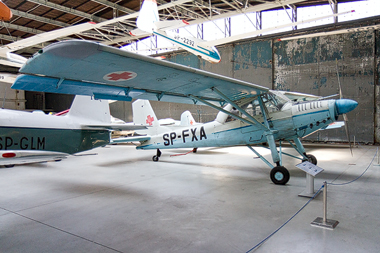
(309, 65)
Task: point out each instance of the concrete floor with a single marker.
(217, 200)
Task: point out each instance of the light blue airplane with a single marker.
(262, 115)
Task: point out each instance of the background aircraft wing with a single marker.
(130, 139)
(118, 127)
(297, 96)
(88, 68)
(46, 36)
(12, 157)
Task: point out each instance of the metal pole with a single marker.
(325, 202)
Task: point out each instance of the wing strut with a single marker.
(227, 112)
(254, 121)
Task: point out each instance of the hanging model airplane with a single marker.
(148, 23)
(265, 116)
(5, 12)
(29, 137)
(7, 57)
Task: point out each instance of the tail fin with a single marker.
(148, 16)
(187, 119)
(88, 109)
(143, 113)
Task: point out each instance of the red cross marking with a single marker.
(120, 76)
(149, 120)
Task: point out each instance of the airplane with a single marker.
(264, 115)
(30, 137)
(148, 23)
(5, 12)
(14, 60)
(11, 59)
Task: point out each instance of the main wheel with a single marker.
(312, 159)
(155, 158)
(9, 165)
(279, 175)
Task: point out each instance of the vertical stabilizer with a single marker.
(187, 119)
(143, 113)
(148, 16)
(88, 109)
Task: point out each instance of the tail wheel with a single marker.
(312, 159)
(279, 175)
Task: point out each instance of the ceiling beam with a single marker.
(68, 10)
(38, 18)
(114, 6)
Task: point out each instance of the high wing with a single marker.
(12, 157)
(88, 68)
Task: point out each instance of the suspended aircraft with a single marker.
(148, 23)
(265, 116)
(5, 12)
(30, 137)
(7, 57)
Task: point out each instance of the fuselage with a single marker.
(292, 121)
(37, 131)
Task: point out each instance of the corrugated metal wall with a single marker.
(310, 66)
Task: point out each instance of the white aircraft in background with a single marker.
(11, 59)
(148, 23)
(29, 137)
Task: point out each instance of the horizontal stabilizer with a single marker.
(139, 32)
(130, 139)
(12, 157)
(116, 127)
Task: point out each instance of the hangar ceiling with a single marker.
(38, 16)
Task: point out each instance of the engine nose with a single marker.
(345, 105)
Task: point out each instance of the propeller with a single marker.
(344, 106)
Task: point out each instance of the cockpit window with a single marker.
(273, 101)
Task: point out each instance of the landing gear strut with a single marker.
(157, 156)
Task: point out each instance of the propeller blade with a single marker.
(347, 132)
(337, 74)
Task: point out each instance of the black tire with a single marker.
(312, 159)
(155, 158)
(279, 175)
(9, 166)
